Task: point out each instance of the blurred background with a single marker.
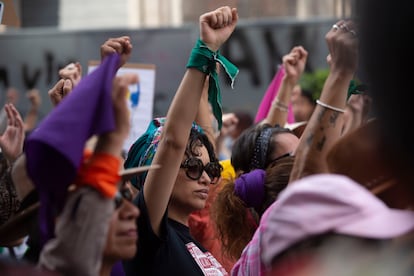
(42, 36)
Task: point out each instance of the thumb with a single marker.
(67, 87)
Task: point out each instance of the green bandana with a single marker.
(355, 88)
(203, 59)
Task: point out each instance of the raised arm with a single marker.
(325, 126)
(294, 64)
(87, 211)
(121, 45)
(11, 141)
(70, 76)
(204, 117)
(215, 28)
(32, 116)
(11, 145)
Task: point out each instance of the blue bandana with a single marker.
(144, 148)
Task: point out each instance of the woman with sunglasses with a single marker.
(201, 225)
(188, 168)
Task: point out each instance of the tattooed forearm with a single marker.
(321, 114)
(321, 143)
(333, 118)
(309, 140)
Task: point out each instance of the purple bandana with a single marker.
(55, 149)
(250, 188)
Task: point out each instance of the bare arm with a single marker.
(325, 126)
(11, 141)
(87, 213)
(11, 145)
(204, 115)
(294, 64)
(32, 115)
(215, 29)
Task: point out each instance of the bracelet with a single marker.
(330, 106)
(278, 105)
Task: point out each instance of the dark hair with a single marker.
(245, 120)
(143, 149)
(196, 140)
(244, 147)
(307, 94)
(276, 180)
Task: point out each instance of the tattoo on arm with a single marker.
(333, 118)
(321, 143)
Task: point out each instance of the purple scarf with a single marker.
(250, 188)
(55, 149)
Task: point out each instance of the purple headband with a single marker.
(249, 187)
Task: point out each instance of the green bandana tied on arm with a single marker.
(355, 88)
(203, 59)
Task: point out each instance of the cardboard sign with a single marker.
(140, 97)
(10, 17)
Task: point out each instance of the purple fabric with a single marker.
(118, 269)
(250, 187)
(270, 94)
(54, 150)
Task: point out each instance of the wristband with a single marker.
(205, 60)
(101, 172)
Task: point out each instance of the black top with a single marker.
(175, 252)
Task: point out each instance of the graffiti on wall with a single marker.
(256, 49)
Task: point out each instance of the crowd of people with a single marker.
(207, 193)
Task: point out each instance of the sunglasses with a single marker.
(124, 193)
(194, 169)
(281, 157)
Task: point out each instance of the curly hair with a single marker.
(235, 223)
(196, 140)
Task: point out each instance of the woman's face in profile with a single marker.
(122, 235)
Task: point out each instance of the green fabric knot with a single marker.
(355, 88)
(203, 59)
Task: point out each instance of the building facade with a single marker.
(104, 14)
